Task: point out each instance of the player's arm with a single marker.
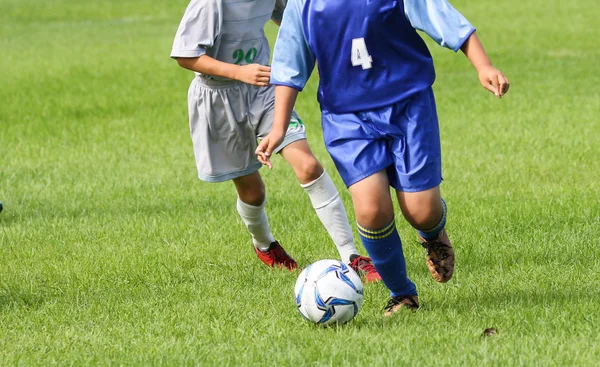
(285, 98)
(490, 78)
(450, 29)
(254, 74)
(293, 62)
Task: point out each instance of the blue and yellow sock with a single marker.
(432, 234)
(385, 249)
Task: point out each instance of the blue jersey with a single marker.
(368, 51)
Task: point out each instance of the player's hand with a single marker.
(493, 80)
(267, 145)
(254, 74)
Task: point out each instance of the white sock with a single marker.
(330, 209)
(255, 218)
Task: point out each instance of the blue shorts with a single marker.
(403, 138)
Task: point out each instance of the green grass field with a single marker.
(112, 252)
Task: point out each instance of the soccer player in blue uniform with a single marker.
(230, 104)
(379, 117)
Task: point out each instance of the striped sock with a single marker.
(432, 234)
(385, 249)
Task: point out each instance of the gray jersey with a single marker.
(226, 116)
(231, 31)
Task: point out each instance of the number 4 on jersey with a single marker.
(360, 55)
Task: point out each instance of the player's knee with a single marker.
(424, 217)
(308, 170)
(252, 197)
(373, 216)
(250, 190)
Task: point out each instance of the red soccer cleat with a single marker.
(363, 266)
(276, 256)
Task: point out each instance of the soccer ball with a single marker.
(328, 292)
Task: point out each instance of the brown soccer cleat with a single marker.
(399, 302)
(440, 257)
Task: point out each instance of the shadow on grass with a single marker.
(31, 212)
(17, 299)
(524, 299)
(545, 305)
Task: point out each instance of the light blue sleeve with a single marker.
(444, 24)
(293, 60)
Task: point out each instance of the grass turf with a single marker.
(113, 253)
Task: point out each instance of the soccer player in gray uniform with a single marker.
(230, 105)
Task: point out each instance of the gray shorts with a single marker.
(226, 119)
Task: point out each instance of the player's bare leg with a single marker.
(377, 228)
(251, 207)
(372, 201)
(327, 203)
(426, 211)
(421, 209)
(302, 160)
(250, 189)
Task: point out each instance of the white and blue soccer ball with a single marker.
(328, 292)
